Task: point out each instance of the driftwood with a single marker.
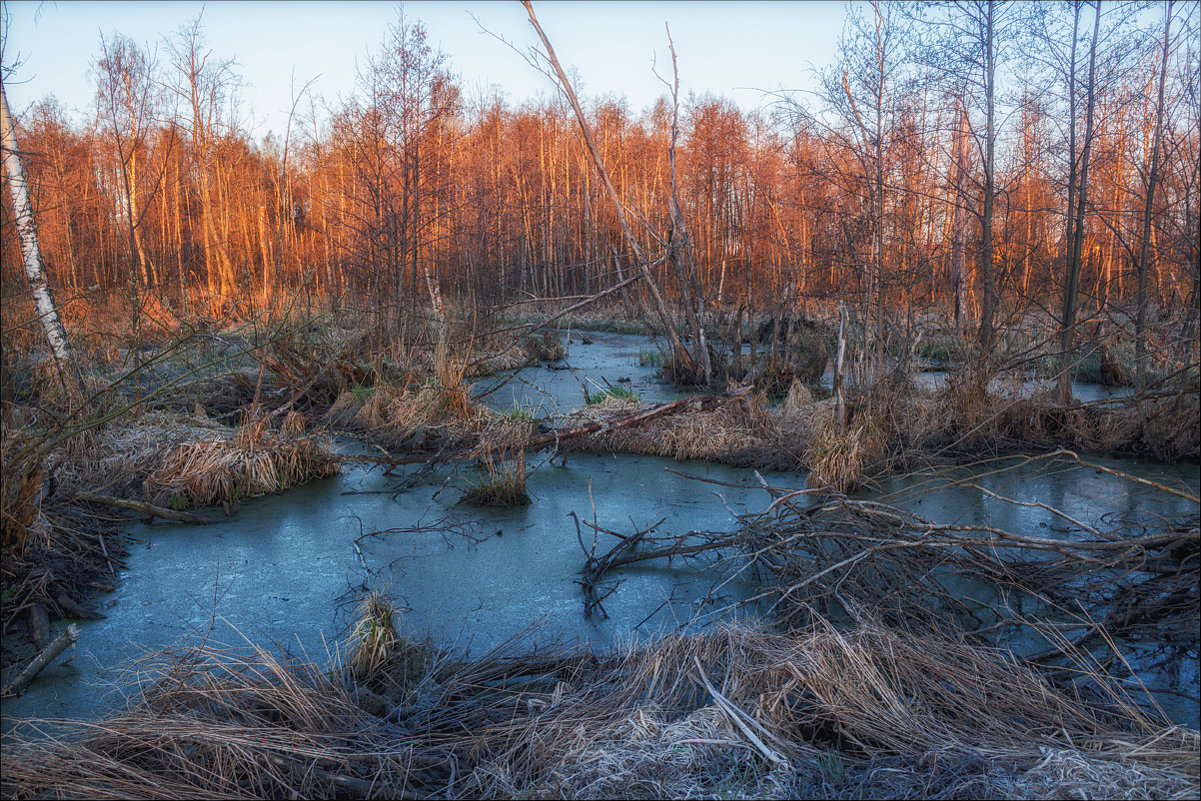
(75, 610)
(870, 558)
(39, 663)
(148, 509)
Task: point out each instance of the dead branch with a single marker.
(68, 638)
(148, 509)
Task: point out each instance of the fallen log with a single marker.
(148, 509)
(696, 402)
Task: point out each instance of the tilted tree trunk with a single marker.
(39, 284)
(681, 353)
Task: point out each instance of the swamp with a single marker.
(848, 446)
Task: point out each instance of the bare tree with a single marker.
(1078, 192)
(202, 83)
(1140, 320)
(126, 98)
(963, 46)
(683, 358)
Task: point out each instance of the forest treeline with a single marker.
(979, 158)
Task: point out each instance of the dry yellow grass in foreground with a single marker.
(737, 713)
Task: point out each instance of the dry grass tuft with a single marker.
(374, 639)
(738, 432)
(798, 396)
(502, 481)
(843, 461)
(427, 416)
(227, 466)
(545, 347)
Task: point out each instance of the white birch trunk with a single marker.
(47, 311)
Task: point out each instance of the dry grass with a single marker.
(502, 481)
(965, 418)
(738, 432)
(841, 461)
(741, 713)
(374, 639)
(426, 416)
(251, 461)
(798, 396)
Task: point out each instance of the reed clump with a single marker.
(545, 347)
(738, 432)
(502, 480)
(842, 460)
(426, 415)
(374, 638)
(250, 461)
(513, 354)
(965, 417)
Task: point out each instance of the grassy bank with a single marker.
(870, 712)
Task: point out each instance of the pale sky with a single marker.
(736, 49)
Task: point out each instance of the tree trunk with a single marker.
(1072, 279)
(1140, 320)
(39, 283)
(958, 224)
(988, 300)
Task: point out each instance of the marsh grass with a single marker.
(519, 413)
(869, 711)
(546, 347)
(649, 358)
(842, 461)
(739, 432)
(225, 467)
(619, 393)
(501, 482)
(379, 656)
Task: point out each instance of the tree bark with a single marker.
(1140, 320)
(39, 283)
(1072, 279)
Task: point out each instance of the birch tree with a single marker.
(39, 282)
